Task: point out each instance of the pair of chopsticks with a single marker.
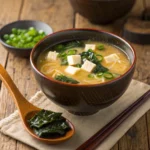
(102, 134)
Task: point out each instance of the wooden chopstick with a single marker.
(102, 134)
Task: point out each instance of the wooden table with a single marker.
(59, 14)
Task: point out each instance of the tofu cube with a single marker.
(111, 58)
(88, 66)
(90, 46)
(72, 70)
(74, 59)
(52, 55)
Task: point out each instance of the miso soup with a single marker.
(83, 62)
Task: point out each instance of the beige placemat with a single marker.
(85, 126)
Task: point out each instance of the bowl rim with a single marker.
(82, 85)
(14, 22)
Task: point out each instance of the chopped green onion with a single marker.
(6, 36)
(14, 30)
(91, 75)
(8, 42)
(12, 36)
(71, 52)
(100, 47)
(108, 75)
(24, 38)
(99, 75)
(100, 57)
(116, 75)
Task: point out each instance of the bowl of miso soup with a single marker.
(83, 70)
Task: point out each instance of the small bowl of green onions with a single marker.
(21, 36)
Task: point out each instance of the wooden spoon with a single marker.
(27, 110)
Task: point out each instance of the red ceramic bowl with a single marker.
(82, 99)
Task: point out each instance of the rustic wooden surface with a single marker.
(60, 15)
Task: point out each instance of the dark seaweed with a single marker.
(68, 45)
(49, 124)
(99, 68)
(63, 56)
(91, 56)
(61, 48)
(66, 79)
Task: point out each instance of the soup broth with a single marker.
(83, 62)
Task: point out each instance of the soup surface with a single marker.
(83, 62)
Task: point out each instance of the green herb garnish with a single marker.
(96, 59)
(24, 38)
(91, 75)
(108, 75)
(99, 75)
(66, 79)
(100, 57)
(63, 56)
(89, 55)
(66, 46)
(61, 48)
(100, 47)
(49, 124)
(99, 68)
(78, 65)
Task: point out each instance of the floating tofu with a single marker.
(72, 70)
(90, 46)
(111, 58)
(88, 66)
(52, 55)
(74, 59)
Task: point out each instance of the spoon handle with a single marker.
(18, 98)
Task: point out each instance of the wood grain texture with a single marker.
(148, 126)
(115, 147)
(136, 137)
(53, 13)
(7, 143)
(6, 17)
(50, 11)
(19, 68)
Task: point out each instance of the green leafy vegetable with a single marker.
(44, 117)
(74, 44)
(99, 68)
(91, 56)
(61, 48)
(65, 79)
(78, 65)
(63, 56)
(68, 45)
(49, 124)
